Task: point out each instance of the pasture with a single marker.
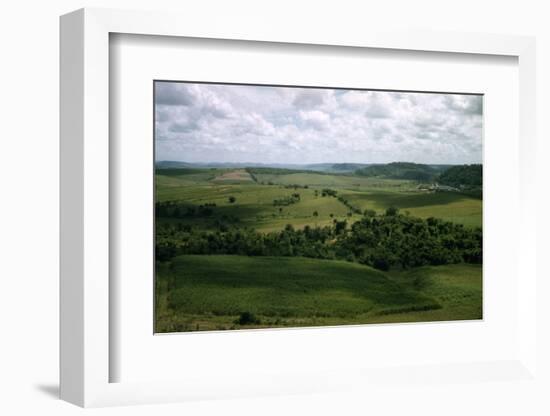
(212, 293)
(449, 206)
(254, 200)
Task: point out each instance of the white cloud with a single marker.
(315, 118)
(309, 97)
(232, 123)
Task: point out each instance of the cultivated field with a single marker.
(210, 293)
(204, 291)
(254, 200)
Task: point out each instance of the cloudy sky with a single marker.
(233, 123)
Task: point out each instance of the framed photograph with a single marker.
(275, 213)
(286, 206)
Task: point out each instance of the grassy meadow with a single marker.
(217, 270)
(210, 293)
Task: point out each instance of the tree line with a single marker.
(385, 241)
(333, 193)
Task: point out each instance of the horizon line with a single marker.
(316, 163)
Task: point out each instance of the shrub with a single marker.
(370, 213)
(247, 318)
(392, 211)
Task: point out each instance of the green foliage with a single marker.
(340, 227)
(247, 318)
(174, 209)
(468, 176)
(182, 171)
(329, 192)
(369, 213)
(392, 211)
(232, 199)
(383, 241)
(400, 170)
(287, 200)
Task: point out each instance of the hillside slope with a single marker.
(210, 292)
(400, 170)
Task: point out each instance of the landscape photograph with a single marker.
(287, 207)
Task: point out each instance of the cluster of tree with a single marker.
(287, 200)
(462, 176)
(244, 241)
(329, 192)
(399, 240)
(296, 186)
(400, 170)
(175, 209)
(381, 241)
(180, 171)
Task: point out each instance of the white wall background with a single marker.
(29, 56)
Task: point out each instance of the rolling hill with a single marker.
(400, 170)
(212, 292)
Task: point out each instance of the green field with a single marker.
(204, 290)
(449, 206)
(210, 293)
(254, 200)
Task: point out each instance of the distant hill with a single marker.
(328, 167)
(468, 176)
(170, 164)
(317, 167)
(441, 168)
(348, 167)
(401, 170)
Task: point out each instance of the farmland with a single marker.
(255, 248)
(254, 200)
(210, 293)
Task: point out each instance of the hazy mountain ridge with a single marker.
(322, 167)
(340, 166)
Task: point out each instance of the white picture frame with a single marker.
(85, 216)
